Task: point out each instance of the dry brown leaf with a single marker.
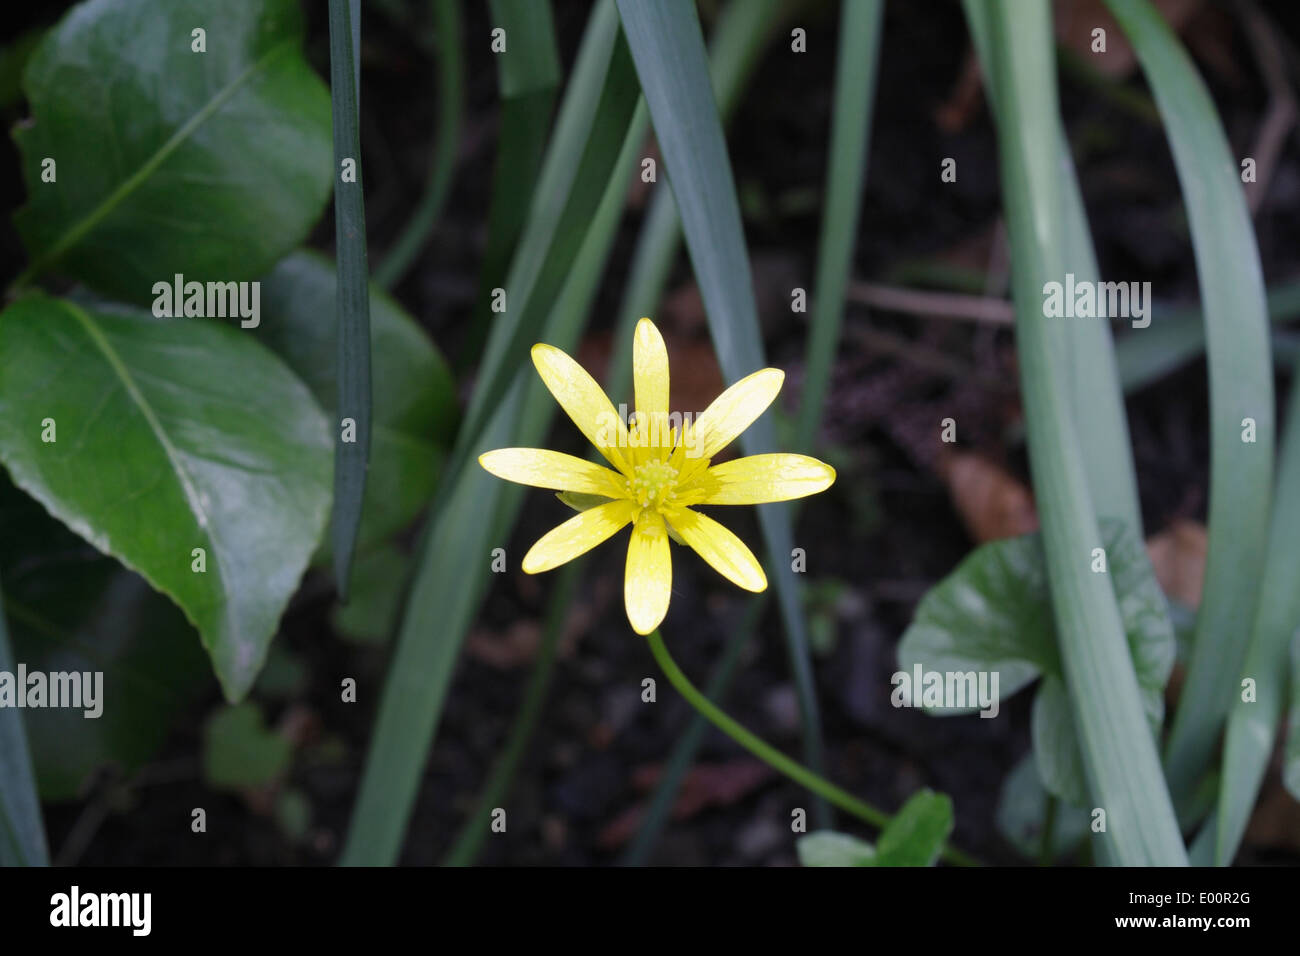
(993, 503)
(704, 786)
(1076, 19)
(1178, 557)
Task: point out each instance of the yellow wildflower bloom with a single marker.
(661, 473)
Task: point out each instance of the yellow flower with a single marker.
(662, 473)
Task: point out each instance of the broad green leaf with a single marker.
(1023, 811)
(73, 609)
(916, 835)
(414, 394)
(828, 848)
(173, 436)
(22, 832)
(212, 165)
(239, 752)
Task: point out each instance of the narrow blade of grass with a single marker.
(1241, 386)
(1087, 363)
(855, 82)
(564, 207)
(1175, 338)
(528, 75)
(739, 36)
(1120, 758)
(451, 105)
(352, 446)
(449, 586)
(1252, 724)
(668, 49)
(22, 834)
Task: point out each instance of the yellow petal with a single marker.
(762, 478)
(552, 469)
(650, 377)
(648, 584)
(578, 535)
(723, 550)
(735, 410)
(585, 402)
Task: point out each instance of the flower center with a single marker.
(653, 484)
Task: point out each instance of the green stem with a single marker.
(773, 757)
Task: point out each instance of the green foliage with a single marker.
(214, 445)
(157, 172)
(240, 753)
(914, 837)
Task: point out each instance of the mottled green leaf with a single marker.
(169, 161)
(172, 436)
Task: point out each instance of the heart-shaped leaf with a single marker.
(994, 614)
(167, 159)
(180, 447)
(414, 394)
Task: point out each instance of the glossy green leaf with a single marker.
(828, 848)
(172, 435)
(240, 752)
(415, 405)
(74, 609)
(213, 165)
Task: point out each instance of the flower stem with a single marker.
(770, 755)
